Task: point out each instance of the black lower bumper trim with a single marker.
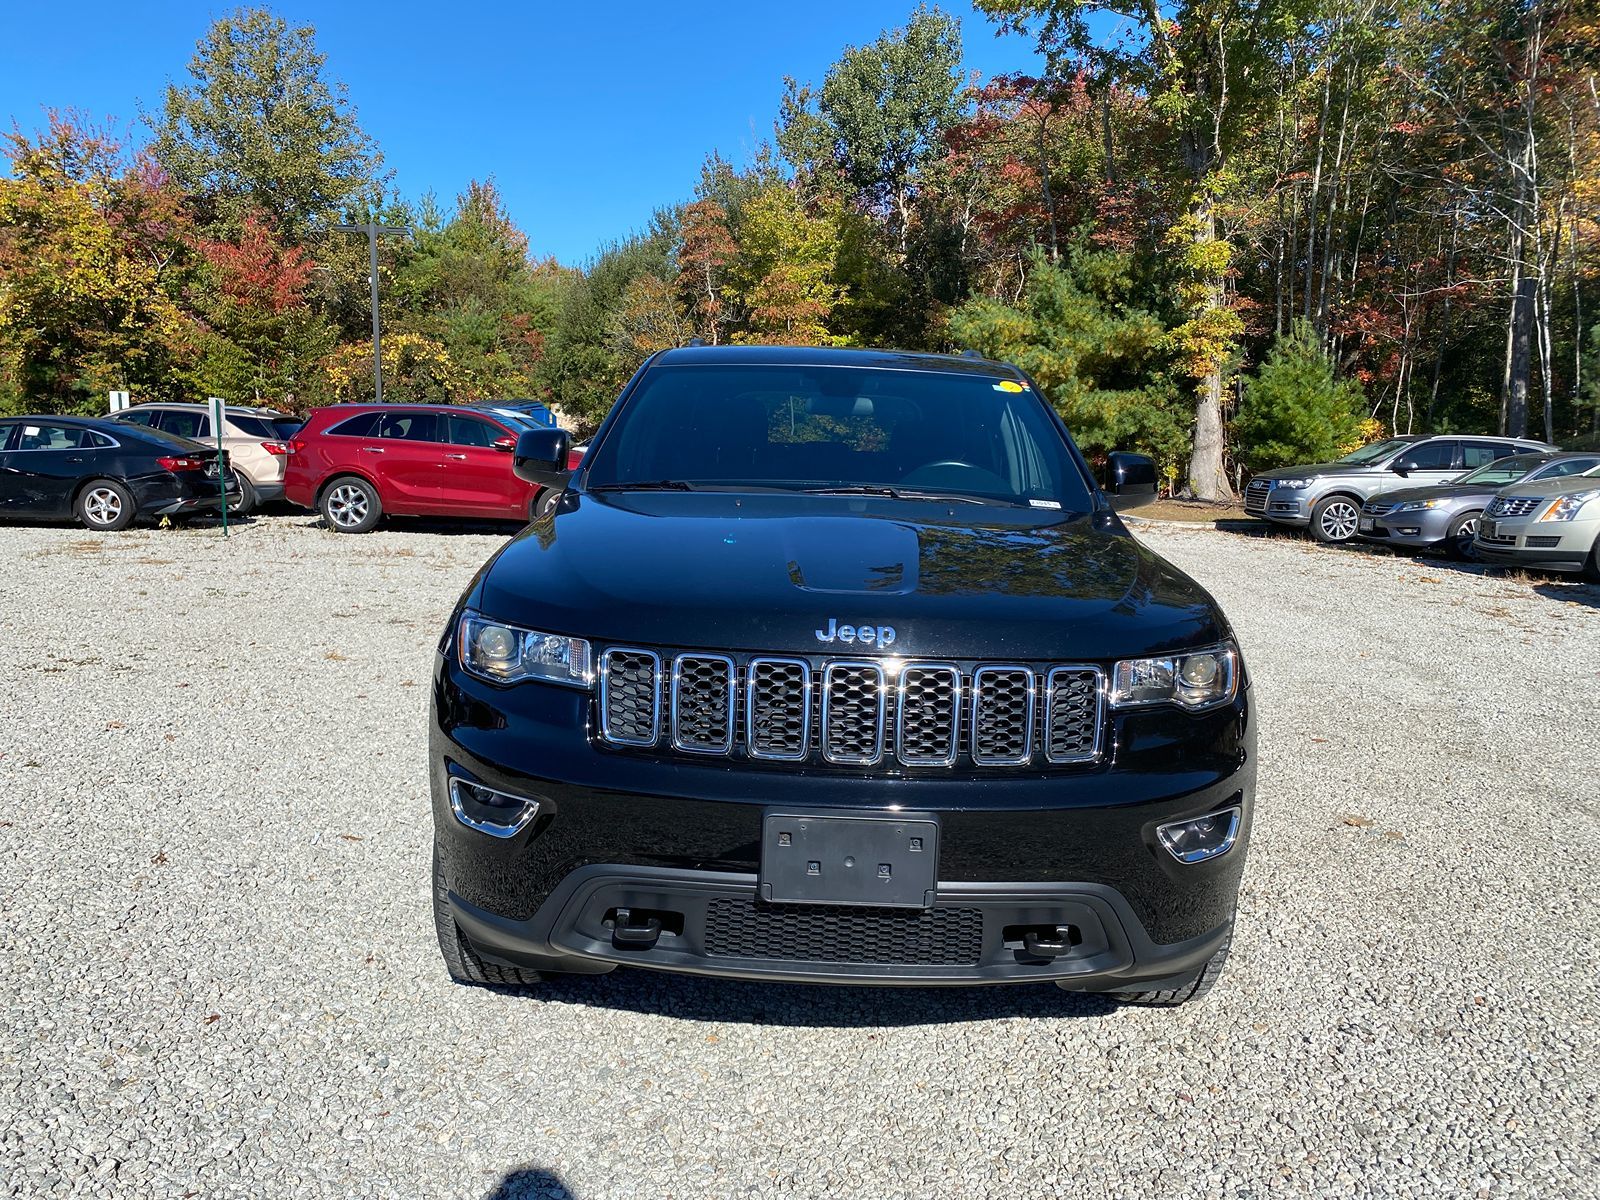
(713, 923)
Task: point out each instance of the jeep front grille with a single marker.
(852, 712)
(827, 933)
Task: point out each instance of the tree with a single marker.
(784, 273)
(260, 128)
(886, 108)
(1097, 356)
(1294, 409)
(703, 260)
(92, 256)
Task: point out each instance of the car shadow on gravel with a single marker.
(823, 1006)
(531, 1183)
(1573, 593)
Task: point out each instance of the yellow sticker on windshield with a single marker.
(1009, 385)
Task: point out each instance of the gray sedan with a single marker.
(1447, 514)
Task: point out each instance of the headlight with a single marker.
(1293, 485)
(1197, 680)
(1564, 508)
(504, 653)
(1418, 505)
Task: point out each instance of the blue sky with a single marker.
(588, 120)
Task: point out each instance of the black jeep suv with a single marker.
(838, 666)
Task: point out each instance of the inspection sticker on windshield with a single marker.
(1044, 503)
(1010, 385)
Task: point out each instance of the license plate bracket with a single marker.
(807, 858)
(1365, 525)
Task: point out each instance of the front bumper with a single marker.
(1418, 529)
(1025, 851)
(1281, 506)
(1538, 545)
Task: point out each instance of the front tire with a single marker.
(1334, 520)
(248, 500)
(1591, 566)
(1458, 540)
(460, 959)
(104, 505)
(1194, 990)
(350, 505)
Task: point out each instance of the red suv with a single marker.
(356, 462)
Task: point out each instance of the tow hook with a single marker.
(631, 932)
(1048, 943)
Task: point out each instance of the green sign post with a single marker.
(217, 406)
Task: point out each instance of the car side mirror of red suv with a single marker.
(507, 443)
(541, 457)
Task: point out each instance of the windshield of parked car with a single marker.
(1502, 471)
(803, 428)
(1562, 467)
(1375, 451)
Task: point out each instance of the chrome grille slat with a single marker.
(1072, 708)
(778, 709)
(703, 703)
(852, 713)
(630, 697)
(928, 716)
(1002, 716)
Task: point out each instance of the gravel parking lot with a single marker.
(219, 976)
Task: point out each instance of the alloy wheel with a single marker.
(102, 505)
(1339, 521)
(347, 506)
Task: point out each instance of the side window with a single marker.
(191, 425)
(8, 437)
(96, 441)
(410, 426)
(52, 437)
(1481, 454)
(137, 416)
(1437, 455)
(1567, 466)
(362, 425)
(469, 431)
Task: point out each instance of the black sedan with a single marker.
(103, 473)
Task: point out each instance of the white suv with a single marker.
(256, 440)
(1327, 497)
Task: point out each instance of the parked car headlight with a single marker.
(1418, 505)
(1293, 485)
(1564, 508)
(1198, 680)
(504, 653)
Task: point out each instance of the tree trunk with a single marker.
(1207, 478)
(1521, 357)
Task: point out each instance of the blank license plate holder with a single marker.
(851, 859)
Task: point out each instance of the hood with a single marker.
(1439, 491)
(1317, 470)
(782, 573)
(1564, 485)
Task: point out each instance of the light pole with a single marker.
(373, 232)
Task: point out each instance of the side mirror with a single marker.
(541, 457)
(1130, 479)
(1402, 467)
(507, 443)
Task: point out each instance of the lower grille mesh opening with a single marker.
(940, 937)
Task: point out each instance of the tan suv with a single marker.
(256, 440)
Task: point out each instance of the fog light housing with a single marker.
(1200, 838)
(498, 814)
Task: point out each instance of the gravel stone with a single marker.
(218, 975)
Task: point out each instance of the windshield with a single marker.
(1375, 451)
(832, 428)
(1502, 471)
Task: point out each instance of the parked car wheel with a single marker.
(1458, 539)
(104, 505)
(350, 505)
(544, 503)
(460, 959)
(248, 500)
(1172, 997)
(1334, 519)
(1591, 568)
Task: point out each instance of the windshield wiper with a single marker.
(899, 493)
(657, 485)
